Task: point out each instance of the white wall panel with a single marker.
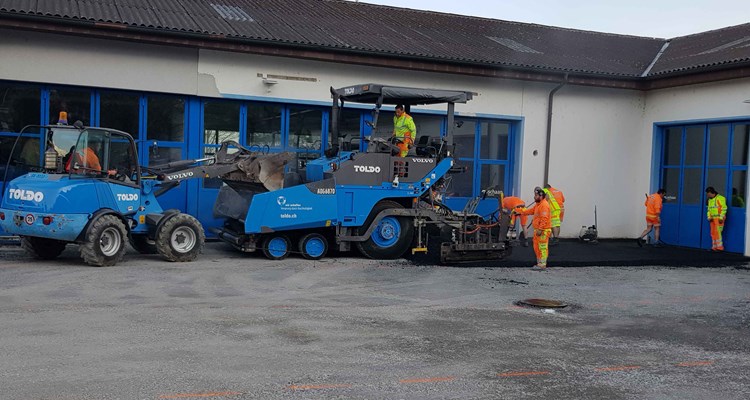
(75, 60)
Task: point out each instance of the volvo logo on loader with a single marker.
(29, 195)
(182, 175)
(367, 168)
(423, 160)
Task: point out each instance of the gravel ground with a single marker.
(233, 326)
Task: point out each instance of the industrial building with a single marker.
(603, 117)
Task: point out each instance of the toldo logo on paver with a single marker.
(29, 195)
(367, 168)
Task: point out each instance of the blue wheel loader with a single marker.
(88, 188)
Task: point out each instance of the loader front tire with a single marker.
(104, 243)
(392, 235)
(42, 248)
(180, 238)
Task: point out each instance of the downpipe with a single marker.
(549, 126)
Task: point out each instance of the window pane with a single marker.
(493, 142)
(19, 106)
(717, 177)
(305, 128)
(464, 136)
(493, 176)
(349, 124)
(164, 155)
(692, 190)
(694, 145)
(77, 103)
(221, 122)
(120, 111)
(672, 146)
(740, 144)
(429, 125)
(718, 150)
(122, 158)
(671, 183)
(263, 125)
(27, 151)
(462, 183)
(166, 118)
(739, 188)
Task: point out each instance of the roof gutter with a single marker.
(549, 127)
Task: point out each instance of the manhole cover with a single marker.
(544, 303)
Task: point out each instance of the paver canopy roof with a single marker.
(371, 92)
(348, 26)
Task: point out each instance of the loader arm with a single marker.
(241, 165)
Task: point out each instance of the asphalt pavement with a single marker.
(236, 326)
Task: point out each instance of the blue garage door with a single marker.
(692, 158)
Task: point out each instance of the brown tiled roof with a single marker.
(347, 26)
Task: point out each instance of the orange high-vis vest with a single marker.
(541, 213)
(653, 205)
(511, 202)
(559, 197)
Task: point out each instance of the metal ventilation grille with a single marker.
(513, 45)
(232, 13)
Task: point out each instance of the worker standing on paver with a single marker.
(559, 215)
(653, 216)
(404, 130)
(554, 208)
(717, 212)
(511, 203)
(542, 227)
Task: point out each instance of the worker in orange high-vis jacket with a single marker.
(557, 209)
(542, 227)
(511, 203)
(404, 130)
(717, 213)
(653, 216)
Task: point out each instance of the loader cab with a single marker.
(80, 153)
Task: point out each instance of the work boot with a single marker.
(539, 268)
(639, 241)
(525, 242)
(554, 241)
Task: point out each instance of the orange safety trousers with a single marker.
(716, 230)
(541, 248)
(404, 146)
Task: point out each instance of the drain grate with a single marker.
(543, 303)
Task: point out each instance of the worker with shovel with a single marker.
(653, 216)
(542, 227)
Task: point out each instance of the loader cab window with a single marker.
(103, 154)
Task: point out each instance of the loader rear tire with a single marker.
(42, 248)
(104, 243)
(180, 238)
(391, 238)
